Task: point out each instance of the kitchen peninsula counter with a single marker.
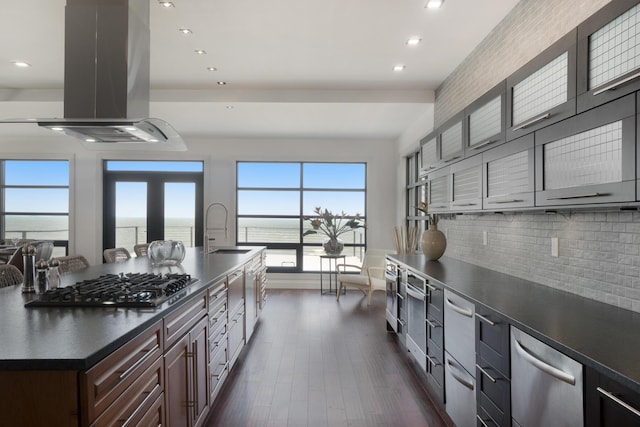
(596, 334)
(75, 338)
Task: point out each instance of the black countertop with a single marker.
(44, 338)
(600, 335)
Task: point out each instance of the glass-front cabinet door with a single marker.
(609, 54)
(589, 158)
(485, 120)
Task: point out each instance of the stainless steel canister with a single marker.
(29, 263)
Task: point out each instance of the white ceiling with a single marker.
(294, 68)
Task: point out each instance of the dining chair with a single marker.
(71, 263)
(141, 249)
(9, 275)
(368, 278)
(116, 254)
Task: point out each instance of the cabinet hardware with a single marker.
(415, 294)
(222, 338)
(431, 361)
(399, 295)
(139, 362)
(484, 319)
(440, 207)
(224, 368)
(463, 204)
(141, 406)
(544, 366)
(451, 159)
(464, 311)
(482, 421)
(428, 168)
(619, 401)
(484, 144)
(615, 85)
(486, 374)
(403, 323)
(457, 377)
(578, 196)
(432, 324)
(431, 287)
(533, 121)
(504, 201)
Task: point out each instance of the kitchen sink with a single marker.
(231, 251)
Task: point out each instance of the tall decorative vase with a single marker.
(333, 246)
(433, 243)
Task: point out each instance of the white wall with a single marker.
(219, 157)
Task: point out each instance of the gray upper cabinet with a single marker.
(589, 158)
(485, 120)
(452, 139)
(508, 173)
(429, 154)
(543, 91)
(608, 54)
(439, 191)
(466, 184)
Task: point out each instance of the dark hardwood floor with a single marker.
(314, 361)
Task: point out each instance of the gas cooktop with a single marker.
(117, 290)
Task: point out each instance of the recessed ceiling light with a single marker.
(229, 107)
(185, 31)
(212, 69)
(399, 68)
(201, 52)
(166, 4)
(21, 64)
(222, 83)
(57, 128)
(413, 41)
(90, 140)
(434, 4)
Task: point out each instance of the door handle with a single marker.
(578, 196)
(615, 85)
(533, 121)
(460, 310)
(544, 366)
(619, 401)
(457, 377)
(484, 144)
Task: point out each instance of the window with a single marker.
(35, 201)
(273, 200)
(416, 192)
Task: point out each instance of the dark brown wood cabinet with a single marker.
(543, 91)
(608, 53)
(609, 403)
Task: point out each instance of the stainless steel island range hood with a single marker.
(106, 76)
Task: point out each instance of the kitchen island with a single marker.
(48, 354)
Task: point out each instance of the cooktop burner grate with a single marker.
(116, 290)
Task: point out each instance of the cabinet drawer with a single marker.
(494, 393)
(217, 296)
(543, 91)
(236, 289)
(154, 416)
(435, 332)
(485, 420)
(102, 384)
(435, 370)
(608, 54)
(217, 340)
(133, 404)
(219, 369)
(178, 323)
(609, 403)
(589, 158)
(435, 301)
(492, 341)
(236, 336)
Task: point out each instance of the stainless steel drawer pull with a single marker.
(440, 206)
(484, 144)
(533, 121)
(544, 366)
(578, 196)
(497, 202)
(485, 373)
(484, 319)
(433, 324)
(431, 287)
(427, 168)
(457, 377)
(415, 294)
(399, 295)
(463, 204)
(460, 310)
(619, 401)
(615, 85)
(451, 159)
(431, 361)
(139, 362)
(402, 322)
(141, 406)
(482, 421)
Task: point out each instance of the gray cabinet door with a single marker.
(485, 119)
(466, 184)
(428, 154)
(543, 91)
(439, 191)
(589, 158)
(609, 54)
(452, 140)
(508, 175)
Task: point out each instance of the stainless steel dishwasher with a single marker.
(546, 385)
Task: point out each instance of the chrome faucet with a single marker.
(206, 225)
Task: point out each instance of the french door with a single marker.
(143, 206)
